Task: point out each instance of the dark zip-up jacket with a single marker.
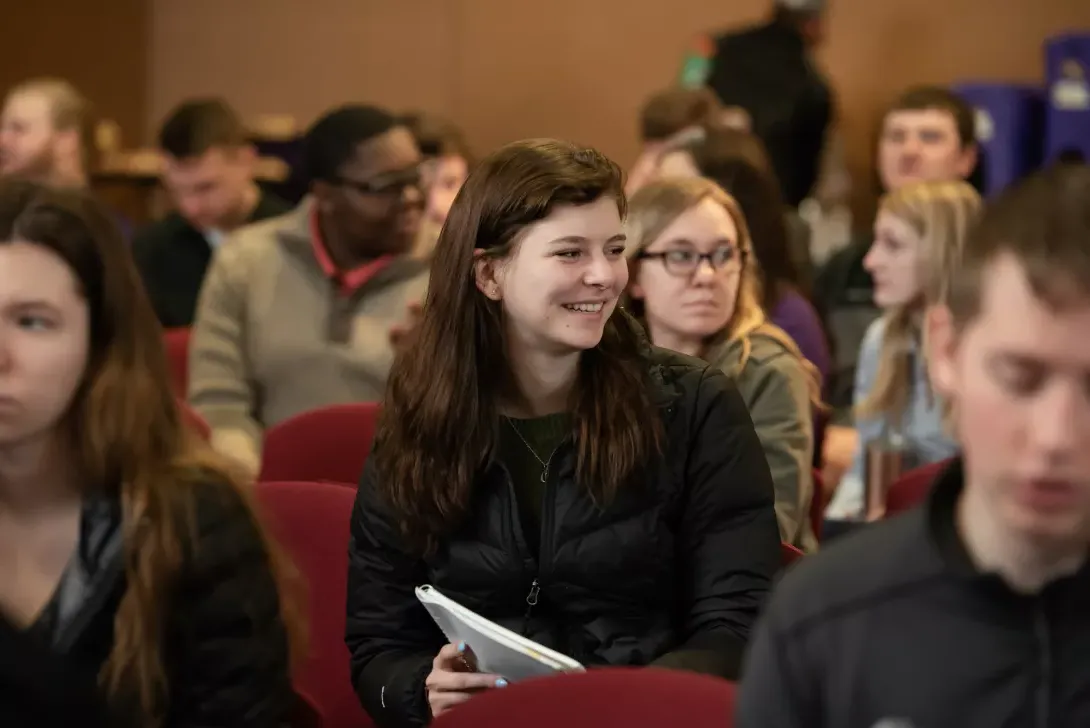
(674, 571)
(894, 626)
(224, 645)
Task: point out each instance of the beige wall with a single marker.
(508, 69)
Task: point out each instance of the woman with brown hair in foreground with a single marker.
(541, 464)
(126, 545)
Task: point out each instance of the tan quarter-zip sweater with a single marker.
(274, 337)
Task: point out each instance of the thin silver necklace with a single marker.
(544, 464)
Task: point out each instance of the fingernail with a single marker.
(501, 683)
(461, 647)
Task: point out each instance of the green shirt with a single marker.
(525, 447)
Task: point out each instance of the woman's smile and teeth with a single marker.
(586, 308)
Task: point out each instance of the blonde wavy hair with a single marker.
(653, 209)
(942, 214)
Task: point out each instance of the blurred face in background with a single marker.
(29, 141)
(1017, 375)
(212, 190)
(922, 145)
(377, 202)
(442, 178)
(894, 262)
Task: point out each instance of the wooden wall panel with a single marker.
(573, 68)
(100, 47)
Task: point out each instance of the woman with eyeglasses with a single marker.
(695, 285)
(541, 464)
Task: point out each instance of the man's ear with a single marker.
(322, 192)
(487, 273)
(940, 347)
(68, 142)
(970, 156)
(247, 155)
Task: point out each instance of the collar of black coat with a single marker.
(941, 517)
(659, 361)
(90, 579)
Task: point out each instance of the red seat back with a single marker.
(176, 342)
(622, 697)
(311, 521)
(330, 444)
(912, 487)
(192, 419)
(789, 554)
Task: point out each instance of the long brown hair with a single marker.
(128, 436)
(444, 393)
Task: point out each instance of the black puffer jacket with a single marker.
(673, 573)
(224, 646)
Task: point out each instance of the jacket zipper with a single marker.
(544, 541)
(1043, 697)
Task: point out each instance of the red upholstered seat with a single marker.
(602, 698)
(329, 444)
(790, 554)
(192, 419)
(310, 521)
(176, 342)
(912, 487)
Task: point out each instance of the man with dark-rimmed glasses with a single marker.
(297, 312)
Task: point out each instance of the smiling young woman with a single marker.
(540, 463)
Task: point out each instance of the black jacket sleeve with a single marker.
(813, 118)
(228, 664)
(729, 543)
(390, 635)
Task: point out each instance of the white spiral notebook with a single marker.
(498, 650)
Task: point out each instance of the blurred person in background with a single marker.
(46, 133)
(971, 609)
(668, 117)
(208, 170)
(446, 164)
(695, 287)
(768, 71)
(298, 312)
(127, 547)
(919, 236)
(928, 134)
